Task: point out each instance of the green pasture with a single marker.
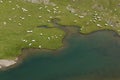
(19, 21)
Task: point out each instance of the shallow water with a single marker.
(86, 57)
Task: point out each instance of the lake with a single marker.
(85, 57)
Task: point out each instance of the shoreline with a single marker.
(6, 64)
(68, 29)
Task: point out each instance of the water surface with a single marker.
(86, 57)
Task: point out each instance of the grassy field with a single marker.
(19, 20)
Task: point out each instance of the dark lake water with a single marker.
(85, 57)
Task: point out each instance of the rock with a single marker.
(6, 63)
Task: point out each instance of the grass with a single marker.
(15, 22)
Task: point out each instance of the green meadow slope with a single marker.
(19, 20)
